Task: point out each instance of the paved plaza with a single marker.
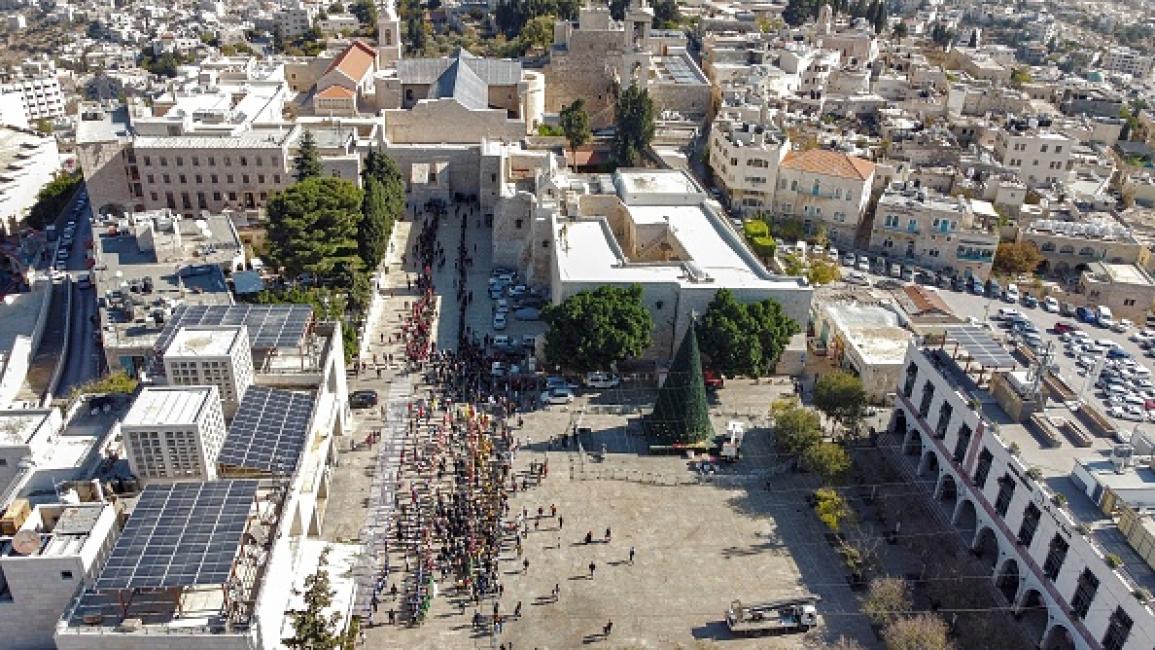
(745, 533)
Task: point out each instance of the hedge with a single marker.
(764, 246)
(756, 228)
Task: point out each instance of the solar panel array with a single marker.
(269, 430)
(270, 326)
(180, 535)
(978, 342)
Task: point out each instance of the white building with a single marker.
(1121, 58)
(67, 545)
(174, 433)
(745, 159)
(42, 96)
(1039, 156)
(1022, 479)
(866, 339)
(921, 227)
(825, 189)
(28, 161)
(216, 356)
(25, 437)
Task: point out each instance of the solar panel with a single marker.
(269, 326)
(180, 535)
(269, 430)
(978, 342)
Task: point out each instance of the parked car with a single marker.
(501, 342)
(1085, 315)
(1011, 294)
(602, 380)
(1062, 327)
(907, 274)
(863, 264)
(848, 259)
(857, 277)
(1029, 301)
(557, 396)
(527, 313)
(1121, 325)
(713, 379)
(363, 399)
(498, 369)
(1051, 305)
(499, 321)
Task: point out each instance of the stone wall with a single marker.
(580, 72)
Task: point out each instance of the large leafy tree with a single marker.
(307, 164)
(666, 14)
(841, 396)
(1017, 257)
(52, 198)
(313, 227)
(797, 428)
(744, 339)
(593, 330)
(635, 122)
(313, 629)
(575, 123)
(924, 631)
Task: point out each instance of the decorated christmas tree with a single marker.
(681, 414)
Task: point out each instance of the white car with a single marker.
(1051, 305)
(602, 380)
(557, 396)
(1134, 413)
(1121, 325)
(499, 321)
(1011, 295)
(1085, 361)
(857, 277)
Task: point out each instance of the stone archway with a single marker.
(1032, 613)
(1058, 638)
(928, 464)
(966, 518)
(899, 426)
(1007, 579)
(913, 444)
(986, 547)
(947, 491)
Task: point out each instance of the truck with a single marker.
(784, 616)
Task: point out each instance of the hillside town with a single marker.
(626, 324)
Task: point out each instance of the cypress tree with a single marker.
(307, 164)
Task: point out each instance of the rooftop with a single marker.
(167, 406)
(19, 427)
(1120, 273)
(208, 342)
(355, 61)
(830, 163)
(872, 330)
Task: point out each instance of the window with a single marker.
(212, 161)
(183, 179)
(927, 397)
(229, 179)
(214, 178)
(147, 160)
(815, 189)
(983, 468)
(962, 442)
(260, 177)
(1118, 629)
(163, 161)
(1030, 524)
(3, 462)
(65, 575)
(1058, 148)
(891, 221)
(944, 414)
(912, 225)
(196, 161)
(517, 224)
(276, 179)
(911, 377)
(151, 179)
(1006, 493)
(1084, 593)
(1043, 149)
(167, 179)
(245, 179)
(179, 161)
(1128, 302)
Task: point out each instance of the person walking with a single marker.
(560, 522)
(631, 555)
(607, 538)
(589, 537)
(609, 627)
(552, 510)
(517, 610)
(556, 591)
(593, 567)
(525, 566)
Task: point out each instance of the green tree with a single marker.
(593, 330)
(1017, 257)
(535, 36)
(307, 163)
(743, 339)
(635, 125)
(1020, 77)
(823, 271)
(919, 632)
(887, 599)
(618, 9)
(365, 12)
(376, 224)
(313, 227)
(681, 412)
(384, 169)
(52, 198)
(798, 12)
(831, 508)
(841, 396)
(900, 31)
(313, 629)
(575, 123)
(826, 459)
(797, 428)
(666, 14)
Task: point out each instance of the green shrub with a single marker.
(764, 246)
(756, 228)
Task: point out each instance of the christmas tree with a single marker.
(681, 414)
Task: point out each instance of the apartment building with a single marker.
(745, 158)
(42, 97)
(825, 189)
(174, 433)
(1126, 289)
(1039, 156)
(294, 19)
(1071, 245)
(921, 227)
(1028, 488)
(1121, 58)
(56, 549)
(216, 356)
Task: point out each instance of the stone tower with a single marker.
(825, 20)
(636, 51)
(388, 34)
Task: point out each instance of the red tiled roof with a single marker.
(355, 61)
(336, 92)
(830, 163)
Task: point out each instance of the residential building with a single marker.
(294, 19)
(174, 433)
(43, 98)
(1039, 156)
(25, 435)
(56, 550)
(1127, 289)
(216, 356)
(28, 161)
(825, 189)
(1121, 58)
(745, 158)
(921, 227)
(866, 339)
(1072, 245)
(1025, 480)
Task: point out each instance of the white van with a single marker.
(1104, 316)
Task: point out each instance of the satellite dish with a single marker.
(26, 542)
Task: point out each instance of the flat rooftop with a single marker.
(208, 342)
(18, 312)
(17, 147)
(18, 427)
(1127, 274)
(165, 405)
(649, 186)
(873, 330)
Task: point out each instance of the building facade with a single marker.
(825, 189)
(174, 433)
(745, 158)
(217, 356)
